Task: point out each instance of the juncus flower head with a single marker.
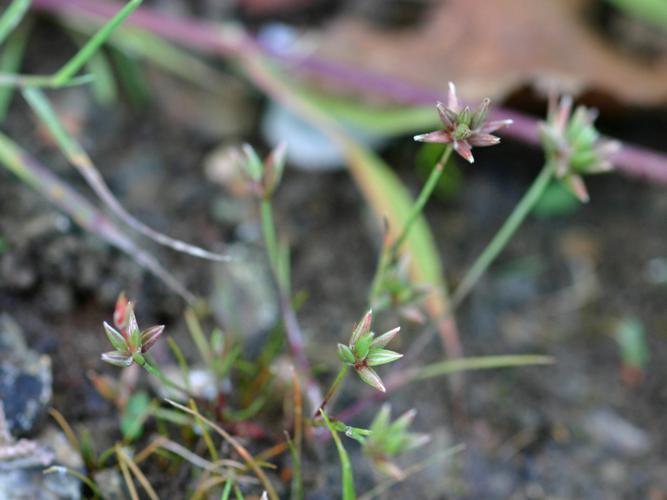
(388, 439)
(264, 175)
(127, 339)
(574, 145)
(364, 351)
(464, 128)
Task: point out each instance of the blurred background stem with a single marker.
(504, 234)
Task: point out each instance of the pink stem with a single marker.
(208, 37)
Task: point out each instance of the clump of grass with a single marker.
(221, 438)
(383, 440)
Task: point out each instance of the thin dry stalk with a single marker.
(240, 449)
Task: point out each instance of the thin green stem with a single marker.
(41, 81)
(472, 363)
(157, 373)
(332, 390)
(280, 271)
(12, 16)
(297, 479)
(390, 252)
(205, 434)
(347, 477)
(423, 197)
(10, 62)
(65, 73)
(382, 264)
(269, 233)
(504, 234)
(180, 359)
(227, 490)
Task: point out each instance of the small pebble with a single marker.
(614, 432)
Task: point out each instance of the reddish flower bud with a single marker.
(120, 312)
(362, 328)
(130, 343)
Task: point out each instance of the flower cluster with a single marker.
(464, 128)
(573, 144)
(388, 439)
(365, 351)
(264, 175)
(128, 341)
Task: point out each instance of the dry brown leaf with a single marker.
(492, 47)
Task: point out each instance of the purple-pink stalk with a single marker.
(89, 217)
(233, 41)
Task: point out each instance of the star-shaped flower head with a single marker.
(389, 439)
(464, 128)
(365, 351)
(574, 145)
(127, 340)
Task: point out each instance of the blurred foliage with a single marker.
(556, 201)
(134, 415)
(631, 339)
(651, 11)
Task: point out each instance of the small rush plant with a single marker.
(573, 149)
(219, 429)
